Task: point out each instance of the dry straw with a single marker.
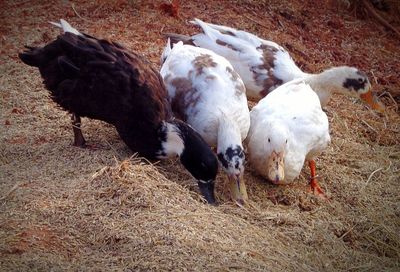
(66, 209)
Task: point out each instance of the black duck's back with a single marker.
(100, 79)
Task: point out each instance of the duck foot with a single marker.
(79, 140)
(317, 190)
(314, 185)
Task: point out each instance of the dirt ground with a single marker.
(64, 208)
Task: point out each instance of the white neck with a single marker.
(174, 145)
(325, 84)
(228, 134)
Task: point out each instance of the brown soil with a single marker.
(64, 208)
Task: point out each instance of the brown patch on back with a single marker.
(203, 61)
(268, 59)
(210, 77)
(264, 93)
(227, 32)
(186, 96)
(218, 41)
(239, 86)
(234, 75)
(240, 89)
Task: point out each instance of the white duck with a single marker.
(264, 65)
(208, 94)
(288, 127)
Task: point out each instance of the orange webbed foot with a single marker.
(316, 189)
(314, 185)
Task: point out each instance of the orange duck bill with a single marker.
(371, 99)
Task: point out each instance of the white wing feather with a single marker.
(66, 27)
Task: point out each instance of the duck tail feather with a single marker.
(66, 27)
(166, 51)
(207, 29)
(175, 38)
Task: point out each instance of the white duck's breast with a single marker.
(203, 85)
(296, 107)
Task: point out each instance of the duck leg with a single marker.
(315, 188)
(79, 140)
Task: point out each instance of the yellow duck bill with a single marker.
(238, 189)
(276, 167)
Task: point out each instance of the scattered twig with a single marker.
(255, 21)
(376, 241)
(100, 172)
(251, 19)
(15, 187)
(281, 24)
(368, 125)
(347, 232)
(77, 14)
(391, 98)
(99, 7)
(375, 79)
(196, 214)
(113, 149)
(376, 15)
(370, 176)
(387, 169)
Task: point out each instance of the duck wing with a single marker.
(263, 65)
(100, 79)
(229, 31)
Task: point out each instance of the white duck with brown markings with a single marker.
(288, 127)
(265, 65)
(208, 94)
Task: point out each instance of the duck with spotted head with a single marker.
(264, 65)
(102, 80)
(208, 94)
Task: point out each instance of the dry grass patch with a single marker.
(65, 208)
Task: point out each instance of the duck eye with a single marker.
(286, 140)
(360, 80)
(269, 140)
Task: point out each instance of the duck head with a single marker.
(179, 139)
(231, 157)
(232, 160)
(356, 83)
(276, 141)
(276, 167)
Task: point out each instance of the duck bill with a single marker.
(276, 167)
(207, 190)
(373, 101)
(238, 189)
